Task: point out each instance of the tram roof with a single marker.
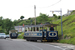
(41, 25)
(13, 30)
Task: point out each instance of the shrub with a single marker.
(59, 17)
(21, 36)
(68, 41)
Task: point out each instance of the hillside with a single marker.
(68, 28)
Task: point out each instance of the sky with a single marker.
(13, 9)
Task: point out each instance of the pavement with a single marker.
(64, 45)
(20, 44)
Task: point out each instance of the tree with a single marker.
(8, 25)
(5, 25)
(1, 30)
(15, 22)
(59, 17)
(55, 16)
(1, 21)
(29, 18)
(21, 17)
(42, 18)
(1, 18)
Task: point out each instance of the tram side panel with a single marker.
(34, 35)
(41, 35)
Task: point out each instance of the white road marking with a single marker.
(57, 47)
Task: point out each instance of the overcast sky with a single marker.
(13, 9)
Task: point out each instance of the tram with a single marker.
(13, 34)
(38, 32)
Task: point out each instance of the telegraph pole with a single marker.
(61, 19)
(61, 22)
(35, 15)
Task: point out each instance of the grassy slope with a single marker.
(68, 29)
(68, 24)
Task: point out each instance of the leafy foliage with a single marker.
(59, 17)
(42, 18)
(8, 25)
(21, 17)
(5, 25)
(21, 36)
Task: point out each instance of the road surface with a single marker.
(7, 44)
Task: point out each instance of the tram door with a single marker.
(44, 34)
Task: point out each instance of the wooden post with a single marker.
(47, 28)
(27, 28)
(39, 28)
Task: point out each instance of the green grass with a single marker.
(68, 24)
(68, 29)
(68, 41)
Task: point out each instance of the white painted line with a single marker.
(57, 47)
(35, 46)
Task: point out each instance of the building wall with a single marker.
(20, 29)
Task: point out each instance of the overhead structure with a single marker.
(61, 19)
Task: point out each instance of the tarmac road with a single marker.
(6, 44)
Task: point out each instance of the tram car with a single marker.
(43, 35)
(13, 34)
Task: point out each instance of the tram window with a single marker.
(37, 29)
(34, 28)
(25, 30)
(31, 28)
(41, 28)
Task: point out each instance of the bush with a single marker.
(59, 17)
(21, 36)
(68, 35)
